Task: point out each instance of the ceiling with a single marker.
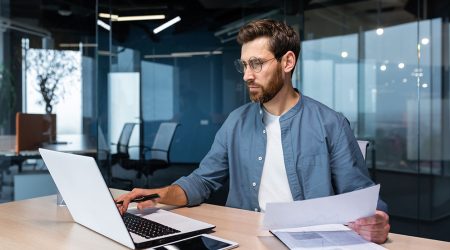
(71, 19)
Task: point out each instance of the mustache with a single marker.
(252, 83)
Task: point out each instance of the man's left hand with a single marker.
(374, 228)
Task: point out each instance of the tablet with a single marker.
(200, 242)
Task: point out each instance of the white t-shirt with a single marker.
(274, 186)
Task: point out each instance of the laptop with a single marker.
(91, 204)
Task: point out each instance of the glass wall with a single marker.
(383, 64)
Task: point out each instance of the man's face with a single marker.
(266, 84)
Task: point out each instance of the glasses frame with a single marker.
(255, 64)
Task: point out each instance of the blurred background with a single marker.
(166, 68)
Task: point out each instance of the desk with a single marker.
(40, 224)
(78, 144)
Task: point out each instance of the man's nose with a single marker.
(248, 74)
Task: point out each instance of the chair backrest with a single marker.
(32, 130)
(363, 147)
(163, 140)
(103, 148)
(124, 138)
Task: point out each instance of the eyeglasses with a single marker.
(255, 64)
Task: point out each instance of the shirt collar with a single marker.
(290, 113)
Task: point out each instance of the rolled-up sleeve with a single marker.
(210, 175)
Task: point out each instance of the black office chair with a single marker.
(122, 157)
(159, 153)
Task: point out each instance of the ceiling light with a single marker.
(425, 41)
(65, 10)
(77, 45)
(117, 18)
(425, 85)
(106, 15)
(140, 18)
(185, 54)
(380, 31)
(344, 54)
(103, 25)
(383, 67)
(401, 65)
(167, 24)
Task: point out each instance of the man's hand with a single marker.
(136, 193)
(171, 195)
(374, 228)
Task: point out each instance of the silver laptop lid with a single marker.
(86, 195)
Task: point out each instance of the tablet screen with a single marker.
(197, 243)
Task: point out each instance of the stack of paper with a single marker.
(319, 223)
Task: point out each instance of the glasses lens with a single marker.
(255, 64)
(240, 66)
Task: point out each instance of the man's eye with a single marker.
(255, 63)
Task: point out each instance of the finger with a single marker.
(146, 204)
(376, 238)
(379, 217)
(377, 235)
(126, 199)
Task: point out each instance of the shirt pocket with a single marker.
(315, 175)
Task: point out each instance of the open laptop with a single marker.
(91, 204)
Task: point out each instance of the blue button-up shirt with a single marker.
(321, 156)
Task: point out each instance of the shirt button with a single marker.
(260, 158)
(264, 131)
(254, 184)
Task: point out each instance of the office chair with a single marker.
(122, 156)
(159, 152)
(363, 145)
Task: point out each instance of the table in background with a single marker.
(40, 224)
(76, 143)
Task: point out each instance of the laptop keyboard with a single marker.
(145, 227)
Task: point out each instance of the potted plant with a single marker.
(50, 67)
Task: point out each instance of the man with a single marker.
(283, 146)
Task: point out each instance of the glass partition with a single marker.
(382, 64)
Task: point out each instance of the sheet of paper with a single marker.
(337, 209)
(330, 236)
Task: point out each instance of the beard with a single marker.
(268, 93)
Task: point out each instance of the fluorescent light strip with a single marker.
(167, 24)
(140, 18)
(106, 15)
(105, 53)
(117, 18)
(76, 45)
(185, 54)
(103, 25)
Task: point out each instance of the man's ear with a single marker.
(289, 61)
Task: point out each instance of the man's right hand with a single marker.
(171, 195)
(136, 193)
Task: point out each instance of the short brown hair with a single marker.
(282, 37)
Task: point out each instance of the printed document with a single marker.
(331, 236)
(319, 223)
(336, 209)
